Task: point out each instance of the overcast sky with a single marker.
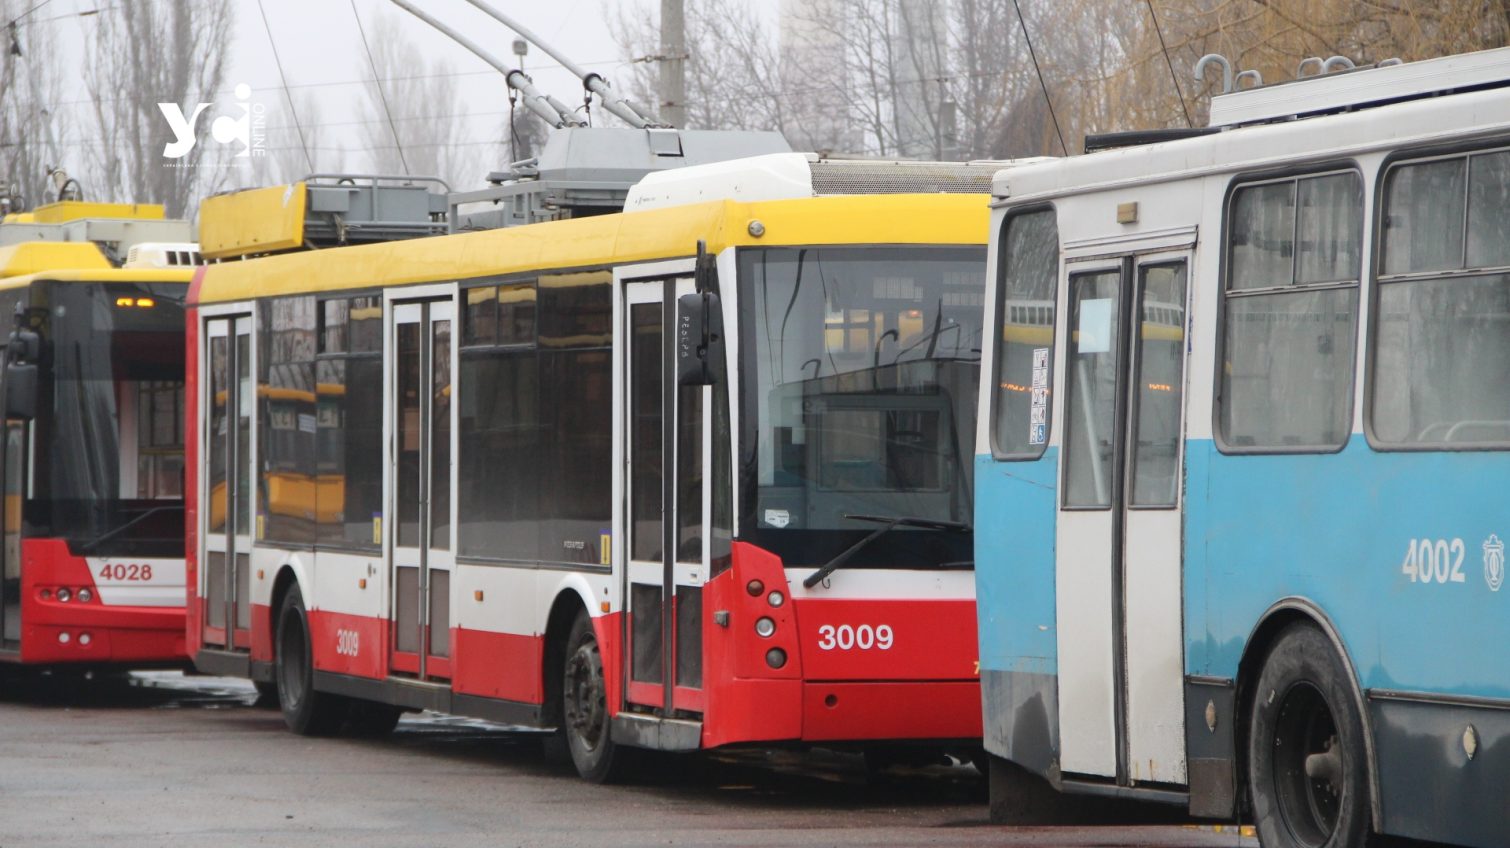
(321, 52)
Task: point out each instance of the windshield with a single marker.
(859, 378)
(109, 454)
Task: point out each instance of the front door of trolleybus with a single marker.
(419, 503)
(226, 585)
(10, 555)
(1119, 524)
(667, 439)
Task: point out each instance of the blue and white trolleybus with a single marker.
(1243, 473)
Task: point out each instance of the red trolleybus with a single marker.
(522, 512)
(92, 465)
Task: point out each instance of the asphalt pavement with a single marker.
(162, 759)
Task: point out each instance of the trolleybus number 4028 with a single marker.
(1434, 561)
(121, 571)
(845, 638)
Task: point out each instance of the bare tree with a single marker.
(733, 68)
(32, 127)
(954, 78)
(296, 149)
(427, 112)
(140, 55)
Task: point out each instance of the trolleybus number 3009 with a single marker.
(1434, 561)
(347, 642)
(845, 638)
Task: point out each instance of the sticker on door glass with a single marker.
(1038, 413)
(778, 517)
(1094, 335)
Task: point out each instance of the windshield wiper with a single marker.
(107, 536)
(888, 523)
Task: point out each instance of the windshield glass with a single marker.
(109, 453)
(859, 378)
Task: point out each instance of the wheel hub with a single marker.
(1309, 770)
(1327, 766)
(586, 697)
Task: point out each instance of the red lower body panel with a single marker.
(853, 711)
(498, 665)
(838, 680)
(58, 632)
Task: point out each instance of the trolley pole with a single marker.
(673, 63)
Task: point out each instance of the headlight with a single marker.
(85, 596)
(764, 627)
(776, 599)
(63, 596)
(775, 658)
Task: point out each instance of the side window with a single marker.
(348, 417)
(1025, 350)
(286, 401)
(1291, 302)
(535, 390)
(1440, 347)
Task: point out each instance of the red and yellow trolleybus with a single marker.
(92, 461)
(465, 473)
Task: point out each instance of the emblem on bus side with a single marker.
(1494, 562)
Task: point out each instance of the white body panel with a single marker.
(1155, 647)
(119, 582)
(775, 176)
(1083, 607)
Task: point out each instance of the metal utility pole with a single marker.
(673, 88)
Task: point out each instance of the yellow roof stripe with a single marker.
(607, 240)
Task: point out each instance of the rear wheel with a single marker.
(305, 710)
(584, 709)
(1307, 770)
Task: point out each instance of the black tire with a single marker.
(584, 709)
(370, 718)
(1307, 766)
(306, 711)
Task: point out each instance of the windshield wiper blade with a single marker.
(888, 523)
(107, 536)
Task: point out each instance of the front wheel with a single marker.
(306, 711)
(584, 709)
(1307, 769)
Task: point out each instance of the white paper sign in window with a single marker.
(1094, 334)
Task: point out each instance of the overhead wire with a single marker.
(1170, 62)
(35, 6)
(292, 111)
(1023, 22)
(383, 98)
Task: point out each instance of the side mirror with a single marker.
(21, 391)
(699, 339)
(21, 374)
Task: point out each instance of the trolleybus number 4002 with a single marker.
(845, 638)
(121, 571)
(1434, 561)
